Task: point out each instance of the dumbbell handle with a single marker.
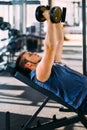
(48, 7)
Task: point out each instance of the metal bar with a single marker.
(35, 114)
(18, 2)
(84, 35)
(33, 2)
(83, 119)
(57, 123)
(50, 3)
(7, 121)
(5, 3)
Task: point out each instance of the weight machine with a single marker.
(9, 46)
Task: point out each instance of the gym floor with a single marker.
(22, 101)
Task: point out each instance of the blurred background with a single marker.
(20, 31)
(20, 14)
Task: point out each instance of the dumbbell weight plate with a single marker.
(5, 26)
(56, 14)
(63, 14)
(1, 20)
(39, 13)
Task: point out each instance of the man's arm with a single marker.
(59, 39)
(43, 69)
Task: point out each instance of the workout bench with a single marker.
(54, 123)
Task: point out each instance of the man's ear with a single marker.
(28, 65)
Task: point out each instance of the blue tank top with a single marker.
(65, 83)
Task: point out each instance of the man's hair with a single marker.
(20, 64)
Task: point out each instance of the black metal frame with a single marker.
(84, 36)
(54, 123)
(18, 2)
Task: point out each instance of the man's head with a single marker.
(27, 61)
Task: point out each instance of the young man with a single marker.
(50, 73)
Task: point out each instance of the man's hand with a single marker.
(46, 14)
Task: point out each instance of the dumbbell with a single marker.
(56, 14)
(1, 20)
(39, 13)
(5, 26)
(13, 32)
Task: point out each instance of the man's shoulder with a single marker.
(32, 74)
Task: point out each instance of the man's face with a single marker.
(32, 57)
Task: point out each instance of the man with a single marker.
(48, 71)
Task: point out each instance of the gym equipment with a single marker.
(1, 20)
(56, 14)
(5, 26)
(33, 42)
(63, 14)
(13, 32)
(39, 13)
(15, 43)
(54, 123)
(9, 46)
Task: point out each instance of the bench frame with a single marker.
(54, 123)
